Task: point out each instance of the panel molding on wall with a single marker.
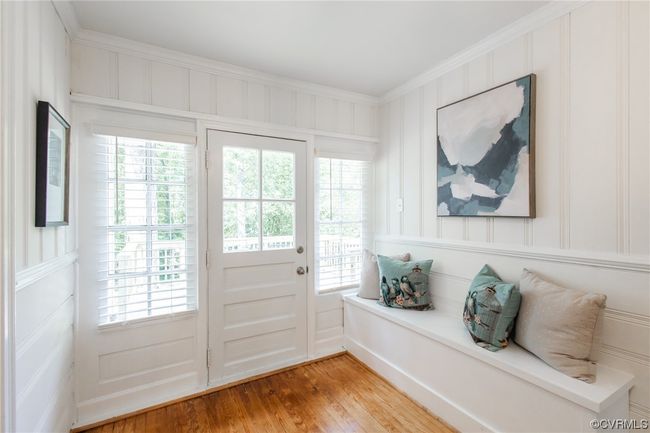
(628, 263)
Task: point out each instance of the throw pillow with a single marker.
(404, 284)
(490, 309)
(559, 325)
(369, 284)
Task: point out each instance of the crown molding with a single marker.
(520, 27)
(68, 16)
(155, 53)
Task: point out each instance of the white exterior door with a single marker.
(257, 280)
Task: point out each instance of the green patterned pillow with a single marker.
(404, 284)
(490, 309)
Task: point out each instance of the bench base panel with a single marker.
(470, 395)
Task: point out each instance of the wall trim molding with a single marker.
(31, 275)
(125, 106)
(156, 53)
(626, 263)
(520, 27)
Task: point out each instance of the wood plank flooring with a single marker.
(335, 395)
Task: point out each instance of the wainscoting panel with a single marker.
(45, 349)
(329, 324)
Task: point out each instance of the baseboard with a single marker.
(190, 395)
(442, 408)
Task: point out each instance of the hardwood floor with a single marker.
(335, 395)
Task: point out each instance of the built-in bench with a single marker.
(431, 357)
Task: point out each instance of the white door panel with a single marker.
(256, 222)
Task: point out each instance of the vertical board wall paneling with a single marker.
(592, 154)
(428, 160)
(202, 92)
(394, 165)
(230, 97)
(639, 133)
(380, 168)
(45, 278)
(411, 159)
(111, 71)
(547, 66)
(170, 86)
(450, 89)
(133, 79)
(257, 106)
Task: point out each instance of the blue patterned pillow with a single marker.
(404, 284)
(490, 309)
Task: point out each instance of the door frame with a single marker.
(202, 129)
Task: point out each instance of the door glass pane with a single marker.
(241, 173)
(241, 226)
(278, 225)
(278, 175)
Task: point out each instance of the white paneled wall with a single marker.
(36, 49)
(592, 156)
(108, 67)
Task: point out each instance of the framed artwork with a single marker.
(486, 153)
(52, 167)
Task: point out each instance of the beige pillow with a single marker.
(559, 325)
(369, 285)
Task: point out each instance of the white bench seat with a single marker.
(380, 336)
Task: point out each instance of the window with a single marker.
(259, 189)
(147, 266)
(341, 221)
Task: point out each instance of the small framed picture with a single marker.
(52, 166)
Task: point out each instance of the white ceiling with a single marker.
(366, 47)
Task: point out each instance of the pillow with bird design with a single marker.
(404, 284)
(490, 309)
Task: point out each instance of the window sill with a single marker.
(147, 321)
(343, 290)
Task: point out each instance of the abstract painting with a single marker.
(486, 153)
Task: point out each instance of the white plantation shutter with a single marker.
(342, 229)
(146, 263)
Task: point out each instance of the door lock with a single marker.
(300, 270)
(300, 250)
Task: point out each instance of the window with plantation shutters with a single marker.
(341, 221)
(147, 265)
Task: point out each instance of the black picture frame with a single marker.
(52, 199)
